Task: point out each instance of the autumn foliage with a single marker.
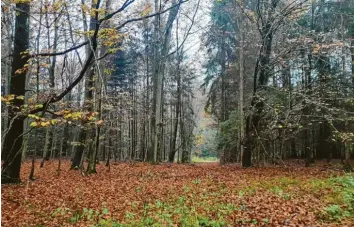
(136, 194)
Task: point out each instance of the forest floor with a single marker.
(205, 194)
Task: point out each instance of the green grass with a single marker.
(204, 159)
(198, 206)
(189, 209)
(341, 199)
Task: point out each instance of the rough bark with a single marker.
(261, 76)
(160, 63)
(241, 85)
(88, 91)
(10, 171)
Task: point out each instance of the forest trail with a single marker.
(173, 195)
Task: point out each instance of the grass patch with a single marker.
(204, 159)
(341, 198)
(192, 208)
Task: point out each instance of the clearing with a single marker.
(207, 194)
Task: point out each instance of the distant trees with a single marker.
(93, 83)
(93, 110)
(294, 105)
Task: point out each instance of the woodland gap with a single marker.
(88, 84)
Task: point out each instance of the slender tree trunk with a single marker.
(25, 142)
(75, 164)
(93, 159)
(46, 147)
(241, 80)
(184, 136)
(49, 134)
(109, 152)
(31, 175)
(177, 113)
(60, 153)
(308, 85)
(84, 134)
(160, 62)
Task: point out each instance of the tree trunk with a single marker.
(10, 171)
(75, 164)
(184, 137)
(160, 63)
(172, 153)
(91, 168)
(49, 134)
(84, 134)
(47, 145)
(241, 79)
(307, 110)
(261, 76)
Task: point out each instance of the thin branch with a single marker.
(61, 52)
(151, 15)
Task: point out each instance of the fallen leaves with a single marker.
(202, 193)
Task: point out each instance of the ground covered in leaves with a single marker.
(180, 195)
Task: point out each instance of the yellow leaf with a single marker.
(33, 116)
(67, 116)
(11, 97)
(100, 122)
(33, 124)
(146, 11)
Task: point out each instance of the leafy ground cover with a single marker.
(180, 195)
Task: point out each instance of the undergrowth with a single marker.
(195, 208)
(341, 198)
(188, 210)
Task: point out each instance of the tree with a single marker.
(10, 171)
(158, 76)
(49, 110)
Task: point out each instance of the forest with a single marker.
(177, 113)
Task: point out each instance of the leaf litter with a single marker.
(172, 195)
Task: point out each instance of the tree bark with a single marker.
(177, 112)
(10, 171)
(261, 76)
(91, 49)
(241, 79)
(160, 63)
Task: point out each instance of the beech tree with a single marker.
(56, 111)
(109, 81)
(11, 153)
